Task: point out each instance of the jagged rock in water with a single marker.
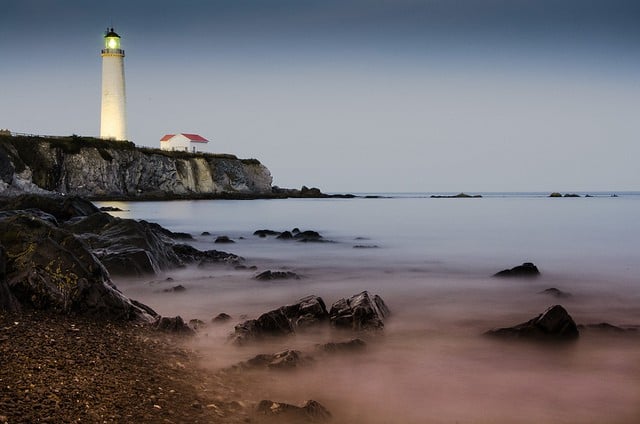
(527, 269)
(308, 235)
(554, 324)
(50, 268)
(269, 275)
(189, 254)
(285, 235)
(223, 239)
(556, 292)
(359, 312)
(178, 288)
(282, 361)
(264, 233)
(352, 346)
(205, 233)
(308, 311)
(310, 412)
(173, 325)
(220, 318)
(272, 323)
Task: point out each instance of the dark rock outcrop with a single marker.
(50, 268)
(552, 291)
(310, 412)
(359, 312)
(285, 235)
(175, 289)
(456, 196)
(272, 323)
(264, 233)
(8, 302)
(269, 275)
(352, 346)
(223, 239)
(190, 255)
(282, 361)
(308, 235)
(608, 328)
(554, 324)
(173, 325)
(307, 312)
(220, 318)
(527, 269)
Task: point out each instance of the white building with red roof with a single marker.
(182, 142)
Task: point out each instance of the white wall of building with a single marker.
(113, 115)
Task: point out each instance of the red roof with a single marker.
(194, 138)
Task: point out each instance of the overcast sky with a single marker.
(351, 95)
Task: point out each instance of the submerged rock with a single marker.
(178, 288)
(608, 328)
(553, 324)
(264, 233)
(285, 235)
(269, 275)
(555, 292)
(220, 318)
(527, 269)
(352, 346)
(282, 361)
(223, 239)
(272, 323)
(310, 412)
(359, 312)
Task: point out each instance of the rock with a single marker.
(286, 360)
(50, 268)
(223, 239)
(269, 275)
(196, 323)
(62, 208)
(272, 323)
(571, 195)
(554, 324)
(8, 302)
(110, 209)
(285, 235)
(189, 254)
(205, 233)
(295, 230)
(527, 269)
(308, 235)
(456, 196)
(308, 311)
(178, 288)
(310, 192)
(555, 194)
(310, 412)
(220, 318)
(352, 346)
(366, 246)
(359, 312)
(264, 233)
(556, 292)
(173, 325)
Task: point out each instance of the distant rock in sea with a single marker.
(553, 324)
(527, 269)
(456, 196)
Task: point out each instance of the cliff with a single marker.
(107, 169)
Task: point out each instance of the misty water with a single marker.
(432, 265)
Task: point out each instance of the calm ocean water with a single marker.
(432, 265)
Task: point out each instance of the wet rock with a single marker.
(555, 194)
(295, 230)
(366, 246)
(554, 324)
(189, 254)
(307, 312)
(205, 233)
(264, 233)
(62, 208)
(220, 318)
(527, 269)
(308, 235)
(352, 346)
(359, 312)
(310, 192)
(223, 239)
(272, 323)
(53, 269)
(173, 325)
(556, 292)
(286, 360)
(178, 288)
(269, 275)
(310, 412)
(285, 235)
(456, 196)
(196, 323)
(8, 302)
(110, 209)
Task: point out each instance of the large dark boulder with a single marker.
(270, 324)
(308, 311)
(173, 325)
(50, 268)
(553, 324)
(277, 412)
(190, 255)
(269, 275)
(527, 269)
(359, 312)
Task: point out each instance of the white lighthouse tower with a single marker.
(113, 124)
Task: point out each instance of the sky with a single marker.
(350, 95)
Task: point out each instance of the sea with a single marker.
(432, 261)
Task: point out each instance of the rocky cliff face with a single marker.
(101, 168)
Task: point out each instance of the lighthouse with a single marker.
(113, 123)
